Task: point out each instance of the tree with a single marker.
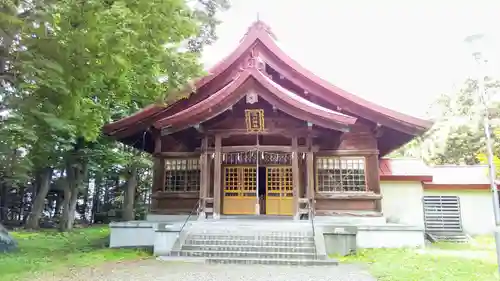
(457, 136)
(80, 64)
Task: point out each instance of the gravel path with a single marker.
(152, 270)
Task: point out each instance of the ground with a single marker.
(82, 255)
(148, 270)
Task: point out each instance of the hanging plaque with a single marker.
(254, 119)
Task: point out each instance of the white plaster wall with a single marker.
(390, 239)
(476, 208)
(402, 202)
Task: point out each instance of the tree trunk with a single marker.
(63, 222)
(96, 197)
(57, 208)
(45, 176)
(106, 195)
(86, 201)
(129, 194)
(72, 208)
(76, 173)
(3, 201)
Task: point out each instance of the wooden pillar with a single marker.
(295, 177)
(310, 170)
(203, 176)
(209, 178)
(373, 177)
(158, 180)
(217, 177)
(158, 170)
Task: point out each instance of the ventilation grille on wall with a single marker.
(442, 214)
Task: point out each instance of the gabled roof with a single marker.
(278, 96)
(441, 177)
(404, 170)
(259, 35)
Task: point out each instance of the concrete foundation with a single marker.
(131, 234)
(369, 232)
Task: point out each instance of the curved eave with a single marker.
(335, 95)
(111, 128)
(347, 98)
(213, 105)
(298, 102)
(283, 100)
(213, 72)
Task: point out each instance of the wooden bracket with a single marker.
(199, 128)
(378, 131)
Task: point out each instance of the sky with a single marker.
(399, 54)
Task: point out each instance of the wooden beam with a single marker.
(174, 154)
(267, 148)
(295, 177)
(217, 177)
(175, 195)
(354, 152)
(290, 132)
(349, 195)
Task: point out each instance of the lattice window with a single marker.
(340, 174)
(240, 181)
(182, 175)
(279, 181)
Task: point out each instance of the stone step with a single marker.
(300, 262)
(232, 236)
(247, 248)
(249, 232)
(244, 255)
(253, 242)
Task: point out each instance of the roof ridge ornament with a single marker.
(259, 26)
(252, 60)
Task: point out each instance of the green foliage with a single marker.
(53, 252)
(68, 67)
(457, 136)
(86, 59)
(408, 264)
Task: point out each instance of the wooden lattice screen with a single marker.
(340, 174)
(182, 175)
(279, 181)
(240, 181)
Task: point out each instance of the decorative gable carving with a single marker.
(252, 97)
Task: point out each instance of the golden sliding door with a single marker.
(240, 185)
(279, 190)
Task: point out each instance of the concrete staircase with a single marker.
(251, 243)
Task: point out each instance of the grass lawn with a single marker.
(410, 265)
(49, 251)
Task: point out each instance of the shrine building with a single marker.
(261, 135)
(263, 156)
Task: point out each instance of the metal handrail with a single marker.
(196, 207)
(311, 218)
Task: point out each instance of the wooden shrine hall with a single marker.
(261, 135)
